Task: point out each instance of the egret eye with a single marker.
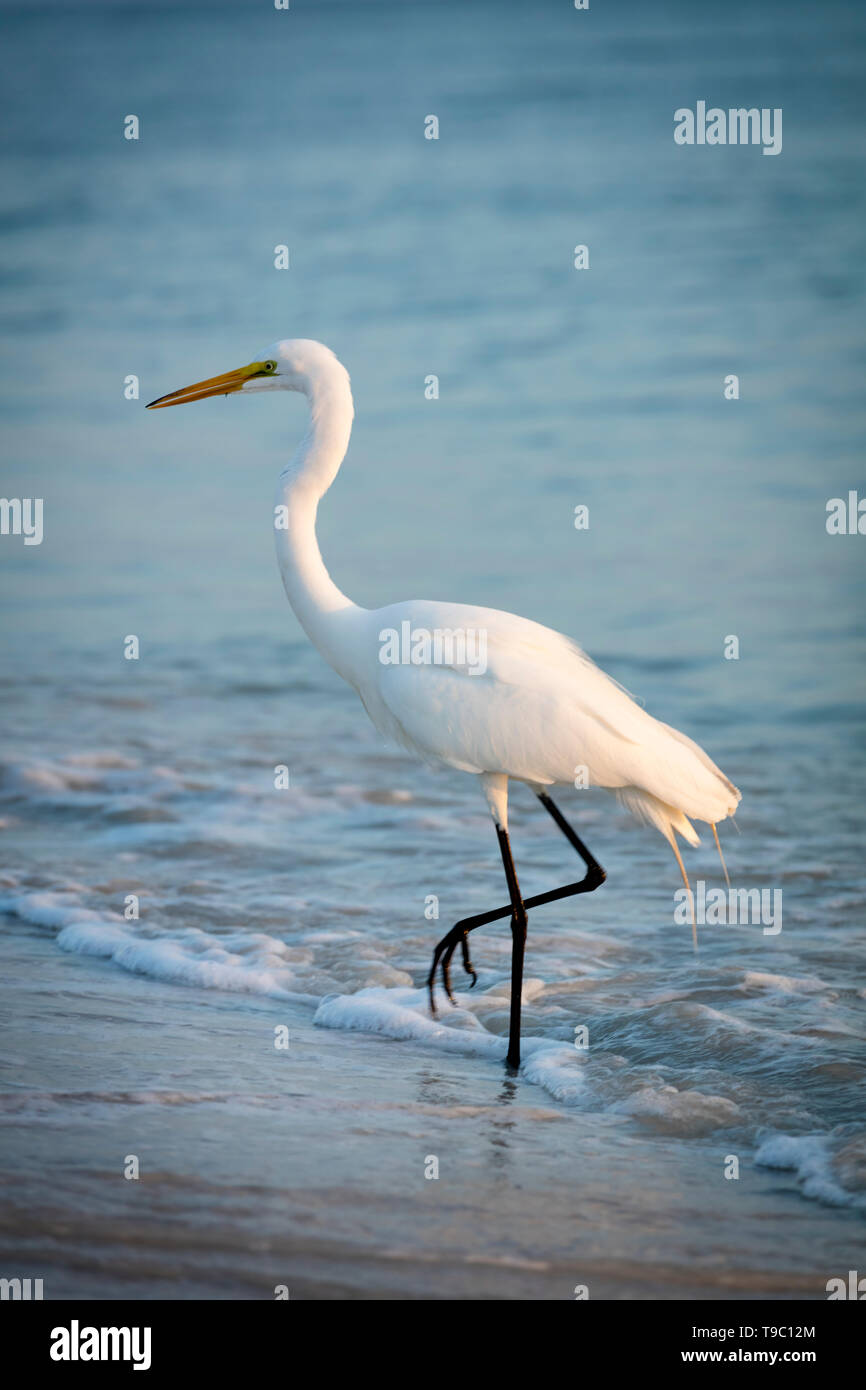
(270, 366)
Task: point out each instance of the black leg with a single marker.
(595, 874)
(592, 879)
(518, 946)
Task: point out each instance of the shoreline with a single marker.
(306, 1167)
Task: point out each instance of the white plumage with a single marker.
(541, 710)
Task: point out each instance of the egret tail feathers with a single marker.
(667, 819)
(653, 811)
(721, 856)
(675, 847)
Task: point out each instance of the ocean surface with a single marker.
(304, 907)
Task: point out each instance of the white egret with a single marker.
(536, 709)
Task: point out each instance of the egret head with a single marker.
(292, 364)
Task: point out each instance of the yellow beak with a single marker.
(214, 386)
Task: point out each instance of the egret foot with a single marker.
(446, 949)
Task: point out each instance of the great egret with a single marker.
(535, 709)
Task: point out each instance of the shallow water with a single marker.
(156, 777)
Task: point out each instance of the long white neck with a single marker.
(320, 607)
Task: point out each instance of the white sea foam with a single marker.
(256, 963)
(404, 1014)
(326, 965)
(556, 1067)
(811, 1158)
(243, 962)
